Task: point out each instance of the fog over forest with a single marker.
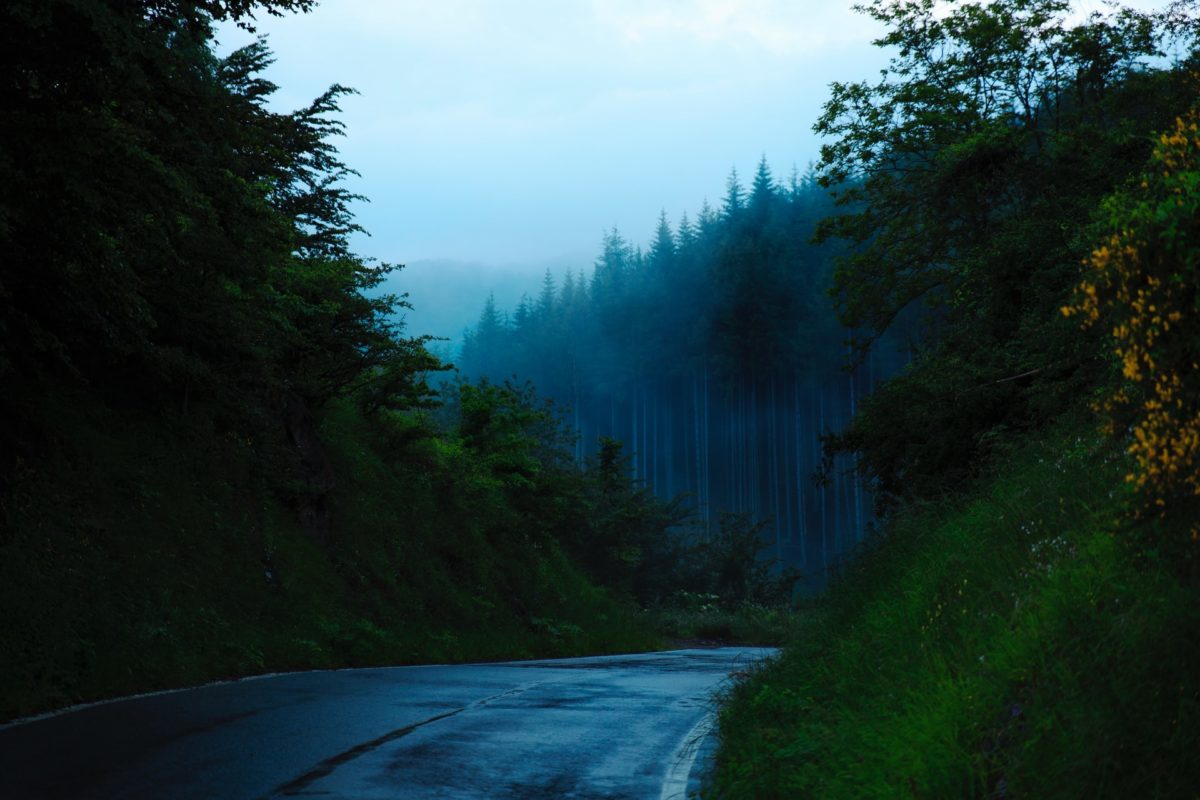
(445, 296)
(486, 173)
(713, 355)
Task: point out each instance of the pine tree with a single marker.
(794, 185)
(566, 295)
(662, 249)
(545, 305)
(735, 195)
(762, 191)
(484, 349)
(490, 322)
(523, 317)
(612, 268)
(687, 235)
(707, 220)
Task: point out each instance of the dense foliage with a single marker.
(998, 644)
(1141, 287)
(715, 357)
(166, 235)
(219, 453)
(969, 174)
(1024, 624)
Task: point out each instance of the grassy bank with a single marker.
(1024, 641)
(141, 554)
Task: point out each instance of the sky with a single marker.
(496, 140)
(516, 133)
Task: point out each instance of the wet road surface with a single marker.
(602, 727)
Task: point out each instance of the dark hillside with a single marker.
(219, 454)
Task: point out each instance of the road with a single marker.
(600, 727)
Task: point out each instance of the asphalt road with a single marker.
(603, 727)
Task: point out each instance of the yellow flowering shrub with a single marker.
(1141, 284)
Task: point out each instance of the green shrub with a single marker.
(1006, 644)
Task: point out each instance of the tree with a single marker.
(1141, 285)
(630, 544)
(956, 140)
(166, 233)
(484, 344)
(735, 195)
(706, 220)
(545, 303)
(662, 249)
(762, 190)
(687, 234)
(612, 282)
(964, 174)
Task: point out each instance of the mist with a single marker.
(712, 354)
(525, 165)
(662, 336)
(445, 296)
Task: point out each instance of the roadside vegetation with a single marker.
(1016, 641)
(1024, 621)
(144, 553)
(220, 452)
(702, 620)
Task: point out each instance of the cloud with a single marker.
(779, 28)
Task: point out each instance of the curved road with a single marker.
(602, 727)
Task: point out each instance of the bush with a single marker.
(1141, 284)
(1006, 644)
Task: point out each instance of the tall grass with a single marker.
(1017, 643)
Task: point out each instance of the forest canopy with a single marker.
(968, 179)
(1019, 187)
(166, 233)
(715, 355)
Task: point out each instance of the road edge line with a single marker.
(675, 785)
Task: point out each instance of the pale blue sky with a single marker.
(519, 131)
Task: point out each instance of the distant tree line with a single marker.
(952, 206)
(714, 355)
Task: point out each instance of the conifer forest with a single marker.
(716, 358)
(921, 411)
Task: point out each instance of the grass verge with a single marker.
(1020, 642)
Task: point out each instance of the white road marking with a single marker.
(684, 758)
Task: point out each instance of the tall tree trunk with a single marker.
(654, 481)
(773, 454)
(706, 497)
(633, 439)
(823, 489)
(800, 487)
(696, 430)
